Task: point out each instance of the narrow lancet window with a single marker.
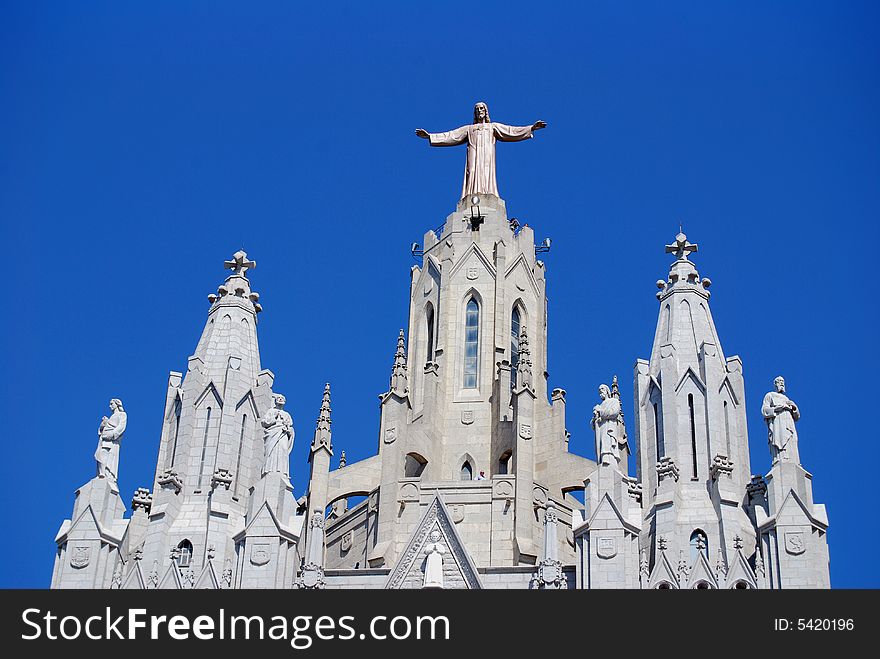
(204, 446)
(658, 433)
(693, 435)
(177, 409)
(467, 472)
(429, 319)
(471, 343)
(238, 460)
(727, 427)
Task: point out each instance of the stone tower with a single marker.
(693, 459)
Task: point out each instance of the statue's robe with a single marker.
(782, 432)
(277, 441)
(107, 453)
(608, 435)
(479, 171)
(434, 565)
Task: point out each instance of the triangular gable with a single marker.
(520, 261)
(208, 578)
(663, 572)
(725, 384)
(606, 504)
(135, 578)
(701, 571)
(431, 271)
(792, 500)
(266, 511)
(171, 580)
(740, 570)
(690, 373)
(407, 573)
(209, 390)
(653, 383)
(473, 249)
(248, 398)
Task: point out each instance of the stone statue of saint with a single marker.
(479, 171)
(277, 438)
(109, 435)
(434, 564)
(608, 423)
(780, 412)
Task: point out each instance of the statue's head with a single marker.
(779, 383)
(435, 536)
(604, 391)
(280, 400)
(116, 405)
(481, 113)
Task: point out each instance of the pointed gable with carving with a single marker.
(458, 569)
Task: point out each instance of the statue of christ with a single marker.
(479, 171)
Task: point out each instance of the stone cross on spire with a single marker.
(240, 263)
(399, 383)
(681, 247)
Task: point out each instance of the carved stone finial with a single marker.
(759, 564)
(142, 500)
(323, 435)
(524, 365)
(643, 564)
(737, 542)
(720, 565)
(212, 551)
(342, 460)
(240, 263)
(661, 543)
(399, 382)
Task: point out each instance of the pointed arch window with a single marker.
(184, 553)
(693, 420)
(514, 345)
(414, 465)
(504, 463)
(467, 472)
(699, 542)
(429, 321)
(471, 343)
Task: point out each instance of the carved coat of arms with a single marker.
(606, 547)
(80, 556)
(260, 554)
(794, 543)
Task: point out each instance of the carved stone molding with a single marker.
(142, 500)
(666, 468)
(721, 466)
(169, 479)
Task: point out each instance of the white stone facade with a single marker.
(472, 475)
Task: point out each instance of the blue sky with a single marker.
(143, 143)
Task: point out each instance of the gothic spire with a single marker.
(322, 430)
(399, 383)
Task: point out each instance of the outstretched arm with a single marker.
(449, 138)
(507, 133)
